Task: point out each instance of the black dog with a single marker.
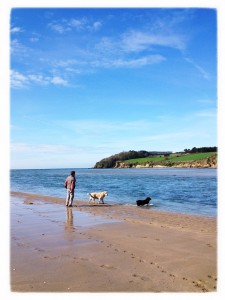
(143, 202)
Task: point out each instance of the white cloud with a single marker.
(128, 63)
(78, 24)
(110, 62)
(19, 80)
(136, 41)
(59, 81)
(65, 25)
(17, 48)
(16, 30)
(60, 28)
(37, 79)
(97, 25)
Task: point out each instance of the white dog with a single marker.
(100, 196)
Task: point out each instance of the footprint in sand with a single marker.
(107, 267)
(50, 257)
(83, 258)
(144, 278)
(39, 250)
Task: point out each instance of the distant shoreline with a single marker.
(165, 167)
(174, 160)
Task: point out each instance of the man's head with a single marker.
(72, 173)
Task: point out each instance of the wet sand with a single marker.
(108, 248)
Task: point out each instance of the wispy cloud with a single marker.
(136, 41)
(113, 62)
(207, 101)
(78, 24)
(94, 127)
(128, 63)
(209, 113)
(59, 28)
(130, 49)
(40, 148)
(16, 30)
(17, 48)
(19, 80)
(203, 73)
(116, 136)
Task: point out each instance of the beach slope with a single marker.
(108, 248)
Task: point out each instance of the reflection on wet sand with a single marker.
(69, 227)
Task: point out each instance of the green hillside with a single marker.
(132, 158)
(172, 158)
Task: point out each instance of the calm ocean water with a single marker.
(192, 191)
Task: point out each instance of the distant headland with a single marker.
(204, 157)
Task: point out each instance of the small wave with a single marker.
(130, 204)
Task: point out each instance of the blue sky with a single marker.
(89, 83)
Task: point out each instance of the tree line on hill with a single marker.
(110, 162)
(201, 150)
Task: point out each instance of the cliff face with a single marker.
(210, 162)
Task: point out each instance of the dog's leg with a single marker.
(101, 201)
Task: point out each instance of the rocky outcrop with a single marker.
(210, 162)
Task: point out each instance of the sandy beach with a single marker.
(108, 248)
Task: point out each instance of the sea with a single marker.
(188, 191)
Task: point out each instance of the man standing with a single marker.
(70, 186)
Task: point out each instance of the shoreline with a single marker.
(125, 249)
(85, 203)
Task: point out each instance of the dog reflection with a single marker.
(69, 220)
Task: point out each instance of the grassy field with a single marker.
(144, 160)
(194, 156)
(171, 158)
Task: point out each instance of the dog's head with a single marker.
(105, 193)
(148, 199)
